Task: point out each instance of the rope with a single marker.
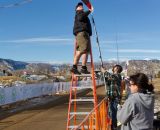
(15, 4)
(117, 47)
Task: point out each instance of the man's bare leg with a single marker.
(84, 59)
(84, 62)
(75, 62)
(77, 57)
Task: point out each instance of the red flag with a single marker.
(87, 3)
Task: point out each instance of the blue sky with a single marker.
(42, 30)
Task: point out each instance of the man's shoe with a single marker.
(75, 71)
(84, 71)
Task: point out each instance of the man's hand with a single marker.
(92, 9)
(119, 106)
(103, 70)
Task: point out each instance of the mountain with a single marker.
(150, 67)
(10, 65)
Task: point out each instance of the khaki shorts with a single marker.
(83, 42)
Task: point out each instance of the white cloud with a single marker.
(135, 51)
(39, 40)
(118, 41)
(126, 58)
(50, 62)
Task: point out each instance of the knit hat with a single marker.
(79, 4)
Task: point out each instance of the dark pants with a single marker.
(113, 113)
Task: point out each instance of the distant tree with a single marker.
(158, 75)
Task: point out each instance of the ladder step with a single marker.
(75, 126)
(82, 100)
(79, 113)
(83, 75)
(97, 71)
(77, 118)
(83, 87)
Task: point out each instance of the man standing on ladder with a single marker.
(82, 31)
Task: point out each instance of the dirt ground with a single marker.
(46, 118)
(156, 83)
(42, 118)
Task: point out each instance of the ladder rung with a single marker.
(77, 118)
(84, 87)
(82, 100)
(75, 126)
(97, 71)
(79, 113)
(83, 75)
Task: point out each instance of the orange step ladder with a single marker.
(78, 107)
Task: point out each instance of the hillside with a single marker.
(10, 65)
(151, 67)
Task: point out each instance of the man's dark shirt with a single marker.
(82, 23)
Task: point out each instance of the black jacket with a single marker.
(82, 22)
